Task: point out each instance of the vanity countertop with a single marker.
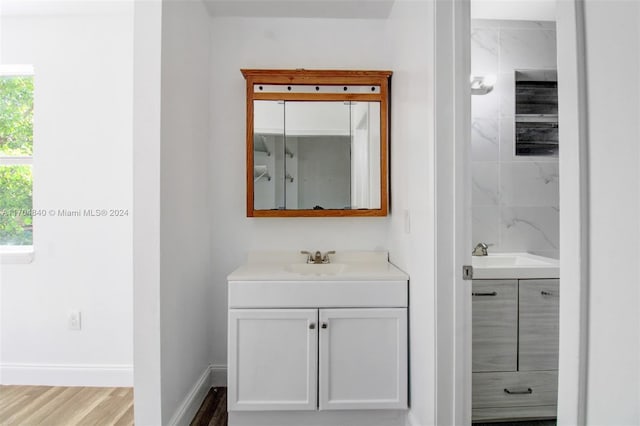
(514, 266)
(292, 266)
(283, 279)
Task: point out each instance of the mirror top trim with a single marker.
(318, 77)
(314, 88)
(273, 96)
(304, 76)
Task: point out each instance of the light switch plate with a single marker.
(75, 320)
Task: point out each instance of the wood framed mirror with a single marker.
(317, 143)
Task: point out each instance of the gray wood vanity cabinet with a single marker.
(515, 348)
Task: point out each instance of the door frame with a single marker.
(452, 105)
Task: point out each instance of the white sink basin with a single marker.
(347, 266)
(507, 259)
(514, 265)
(316, 269)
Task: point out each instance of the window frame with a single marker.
(12, 254)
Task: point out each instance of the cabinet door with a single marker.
(539, 316)
(272, 359)
(494, 325)
(363, 358)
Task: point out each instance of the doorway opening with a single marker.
(514, 217)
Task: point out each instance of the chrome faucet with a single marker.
(480, 250)
(318, 257)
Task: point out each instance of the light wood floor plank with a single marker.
(9, 394)
(49, 408)
(65, 406)
(127, 417)
(10, 409)
(107, 412)
(71, 411)
(22, 413)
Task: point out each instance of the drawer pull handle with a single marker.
(493, 293)
(546, 293)
(518, 392)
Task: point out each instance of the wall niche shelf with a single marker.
(536, 113)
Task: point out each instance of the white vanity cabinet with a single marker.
(274, 359)
(515, 348)
(363, 359)
(317, 359)
(318, 344)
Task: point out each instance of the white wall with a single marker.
(82, 160)
(613, 92)
(146, 219)
(185, 261)
(274, 43)
(404, 44)
(171, 239)
(412, 149)
(515, 199)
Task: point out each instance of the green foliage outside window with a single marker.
(16, 140)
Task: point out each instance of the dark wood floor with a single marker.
(213, 411)
(523, 423)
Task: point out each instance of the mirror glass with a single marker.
(316, 155)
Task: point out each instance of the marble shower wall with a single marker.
(515, 200)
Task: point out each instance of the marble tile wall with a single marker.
(515, 200)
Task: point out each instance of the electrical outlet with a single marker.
(75, 320)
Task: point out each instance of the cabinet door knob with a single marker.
(324, 325)
(312, 326)
(518, 392)
(546, 293)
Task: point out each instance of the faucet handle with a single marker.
(309, 255)
(480, 249)
(325, 258)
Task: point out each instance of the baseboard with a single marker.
(411, 419)
(102, 375)
(218, 375)
(192, 402)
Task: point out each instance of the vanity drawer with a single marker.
(514, 389)
(494, 325)
(538, 412)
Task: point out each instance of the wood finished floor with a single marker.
(213, 411)
(522, 423)
(70, 406)
(65, 406)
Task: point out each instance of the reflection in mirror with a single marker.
(268, 158)
(316, 155)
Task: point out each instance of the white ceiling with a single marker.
(364, 9)
(533, 10)
(525, 10)
(64, 7)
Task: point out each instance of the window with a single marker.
(16, 157)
